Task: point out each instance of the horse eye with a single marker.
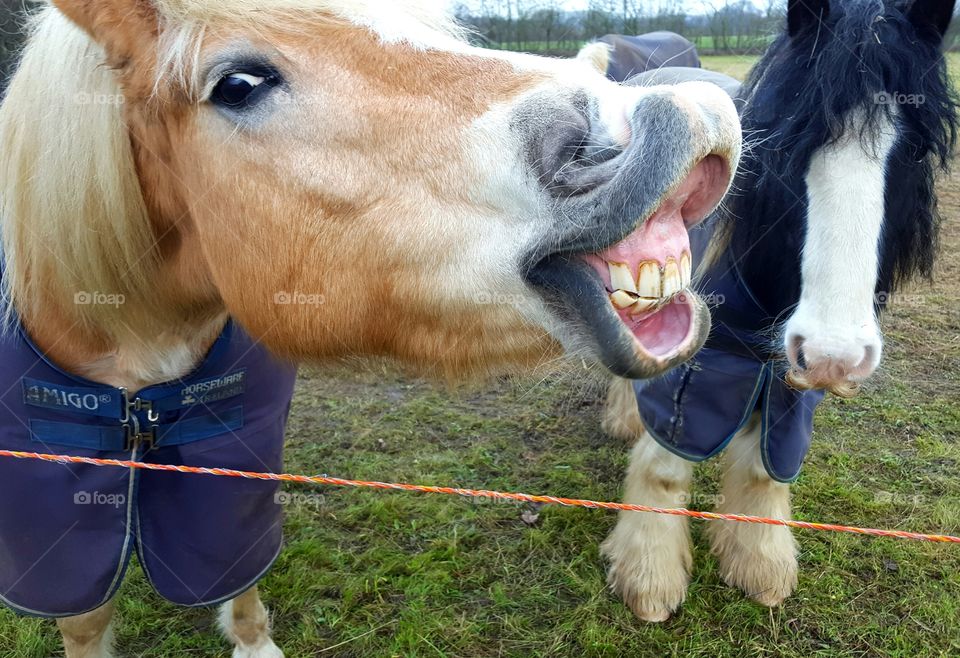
(238, 91)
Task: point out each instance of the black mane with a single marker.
(798, 99)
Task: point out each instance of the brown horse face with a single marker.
(357, 182)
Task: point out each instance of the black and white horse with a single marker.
(622, 57)
(850, 113)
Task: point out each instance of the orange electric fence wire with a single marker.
(474, 493)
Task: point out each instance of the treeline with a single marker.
(739, 26)
(719, 27)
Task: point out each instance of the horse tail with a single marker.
(596, 54)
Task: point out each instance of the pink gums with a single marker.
(662, 237)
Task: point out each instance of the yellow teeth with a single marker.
(648, 281)
(621, 278)
(672, 283)
(652, 287)
(644, 305)
(623, 300)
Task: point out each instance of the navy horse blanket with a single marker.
(695, 410)
(632, 55)
(68, 532)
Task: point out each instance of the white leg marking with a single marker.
(89, 635)
(621, 418)
(761, 560)
(246, 623)
(835, 327)
(649, 554)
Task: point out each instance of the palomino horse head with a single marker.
(345, 177)
(853, 110)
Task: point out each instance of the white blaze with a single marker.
(836, 320)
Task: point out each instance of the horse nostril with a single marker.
(712, 176)
(560, 146)
(571, 159)
(869, 362)
(795, 352)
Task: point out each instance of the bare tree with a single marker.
(600, 18)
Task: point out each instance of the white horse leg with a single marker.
(761, 560)
(246, 623)
(621, 418)
(89, 635)
(649, 554)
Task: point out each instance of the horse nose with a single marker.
(650, 137)
(830, 364)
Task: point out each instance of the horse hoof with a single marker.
(770, 599)
(651, 616)
(651, 602)
(768, 581)
(651, 579)
(766, 572)
(268, 650)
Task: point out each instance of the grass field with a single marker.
(733, 65)
(367, 575)
(738, 65)
(704, 44)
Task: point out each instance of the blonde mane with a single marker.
(72, 213)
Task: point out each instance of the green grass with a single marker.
(739, 65)
(386, 574)
(703, 43)
(736, 66)
(708, 43)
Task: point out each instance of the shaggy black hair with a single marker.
(799, 98)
